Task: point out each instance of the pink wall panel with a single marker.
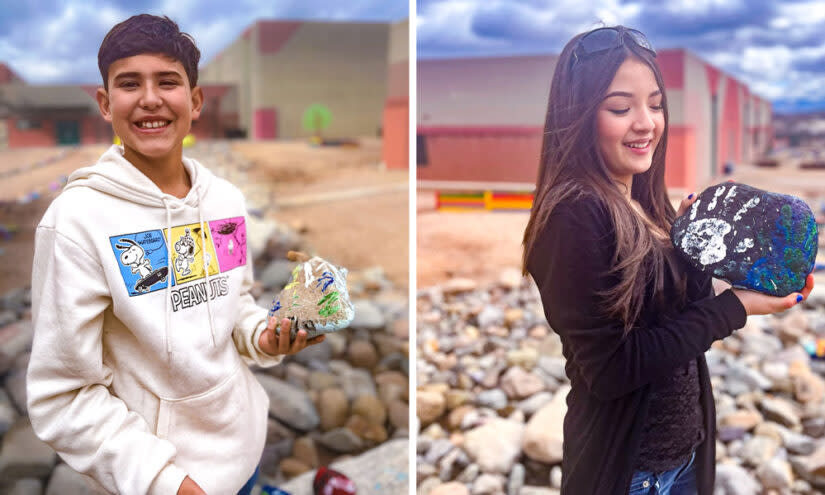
(265, 125)
(672, 65)
(680, 161)
(730, 134)
(396, 149)
(273, 34)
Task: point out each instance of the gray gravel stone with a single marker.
(276, 274)
(516, 480)
(735, 480)
(26, 486)
(23, 455)
(341, 440)
(358, 382)
(494, 399)
(15, 339)
(290, 404)
(367, 315)
(67, 481)
(8, 413)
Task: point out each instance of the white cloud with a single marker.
(448, 23)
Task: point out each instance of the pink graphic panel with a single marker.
(229, 238)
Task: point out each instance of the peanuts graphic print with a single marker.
(142, 256)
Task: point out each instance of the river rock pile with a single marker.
(491, 390)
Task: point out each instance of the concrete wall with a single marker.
(232, 66)
(496, 91)
(697, 104)
(340, 65)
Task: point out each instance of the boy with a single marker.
(142, 313)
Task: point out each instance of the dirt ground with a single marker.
(353, 210)
(476, 245)
(479, 245)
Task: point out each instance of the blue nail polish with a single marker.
(691, 196)
(798, 297)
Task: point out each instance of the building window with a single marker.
(26, 124)
(421, 150)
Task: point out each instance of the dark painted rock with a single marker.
(751, 238)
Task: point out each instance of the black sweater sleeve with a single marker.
(570, 264)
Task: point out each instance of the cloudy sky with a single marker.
(56, 41)
(776, 47)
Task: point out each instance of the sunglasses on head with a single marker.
(607, 38)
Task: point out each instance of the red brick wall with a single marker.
(95, 130)
(502, 154)
(45, 136)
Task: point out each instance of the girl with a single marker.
(634, 319)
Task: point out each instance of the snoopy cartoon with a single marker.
(134, 257)
(185, 247)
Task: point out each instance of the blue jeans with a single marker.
(677, 481)
(247, 488)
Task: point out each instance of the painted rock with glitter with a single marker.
(315, 299)
(751, 238)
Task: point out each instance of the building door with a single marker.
(266, 123)
(68, 132)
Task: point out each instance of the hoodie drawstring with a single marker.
(169, 275)
(206, 267)
(205, 252)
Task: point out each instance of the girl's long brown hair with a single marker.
(571, 165)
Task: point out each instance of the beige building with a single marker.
(280, 68)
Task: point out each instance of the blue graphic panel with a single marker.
(143, 261)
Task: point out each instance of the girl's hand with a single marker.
(685, 204)
(756, 303)
(276, 344)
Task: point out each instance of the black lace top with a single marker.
(674, 425)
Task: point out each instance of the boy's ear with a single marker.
(102, 98)
(197, 102)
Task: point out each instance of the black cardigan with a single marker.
(611, 374)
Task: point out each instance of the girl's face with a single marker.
(630, 121)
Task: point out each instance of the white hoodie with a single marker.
(137, 375)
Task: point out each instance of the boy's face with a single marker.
(150, 105)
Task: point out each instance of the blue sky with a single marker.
(776, 47)
(56, 41)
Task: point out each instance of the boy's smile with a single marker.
(151, 107)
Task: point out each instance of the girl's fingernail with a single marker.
(690, 196)
(798, 297)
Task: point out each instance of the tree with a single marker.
(317, 117)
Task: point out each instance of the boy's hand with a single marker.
(189, 487)
(278, 344)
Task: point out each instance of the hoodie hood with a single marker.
(115, 175)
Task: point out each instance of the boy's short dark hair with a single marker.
(146, 33)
